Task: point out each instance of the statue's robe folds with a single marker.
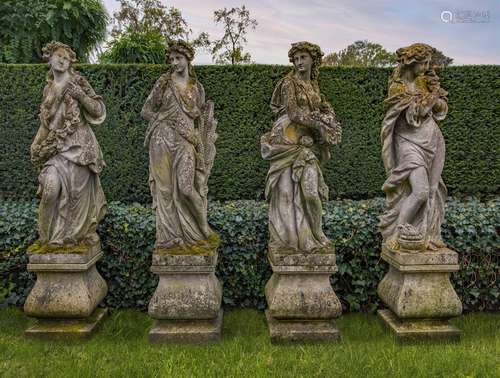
(409, 141)
(294, 185)
(72, 200)
(175, 165)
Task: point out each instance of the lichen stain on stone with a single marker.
(206, 247)
(43, 248)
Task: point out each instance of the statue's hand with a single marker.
(204, 191)
(428, 103)
(35, 149)
(196, 140)
(306, 141)
(331, 133)
(439, 106)
(75, 91)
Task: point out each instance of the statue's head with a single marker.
(179, 55)
(59, 56)
(304, 56)
(416, 57)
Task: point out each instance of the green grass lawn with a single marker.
(120, 348)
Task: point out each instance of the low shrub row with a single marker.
(127, 236)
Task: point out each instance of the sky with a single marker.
(467, 31)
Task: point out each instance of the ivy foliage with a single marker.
(127, 237)
(241, 95)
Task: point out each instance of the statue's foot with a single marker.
(434, 245)
(325, 242)
(207, 231)
(177, 242)
(91, 239)
(55, 244)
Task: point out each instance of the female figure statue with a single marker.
(181, 141)
(304, 130)
(66, 150)
(413, 152)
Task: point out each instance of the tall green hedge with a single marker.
(241, 95)
(127, 236)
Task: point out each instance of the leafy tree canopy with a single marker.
(28, 25)
(371, 54)
(361, 54)
(236, 22)
(142, 29)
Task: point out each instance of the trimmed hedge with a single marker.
(127, 235)
(242, 95)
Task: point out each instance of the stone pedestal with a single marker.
(187, 301)
(66, 293)
(419, 294)
(301, 302)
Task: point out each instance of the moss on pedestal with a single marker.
(42, 248)
(326, 250)
(206, 247)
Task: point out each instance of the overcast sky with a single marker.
(468, 31)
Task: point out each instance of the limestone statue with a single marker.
(181, 141)
(302, 304)
(300, 138)
(68, 155)
(413, 152)
(186, 304)
(68, 287)
(417, 291)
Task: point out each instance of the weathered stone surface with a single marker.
(303, 262)
(417, 287)
(413, 153)
(67, 155)
(67, 329)
(427, 261)
(419, 294)
(302, 296)
(186, 296)
(301, 136)
(64, 258)
(300, 286)
(420, 290)
(301, 301)
(301, 256)
(160, 260)
(407, 330)
(187, 300)
(187, 331)
(64, 287)
(181, 142)
(284, 331)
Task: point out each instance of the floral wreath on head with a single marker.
(51, 47)
(184, 48)
(313, 50)
(181, 47)
(418, 52)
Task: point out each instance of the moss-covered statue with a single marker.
(300, 138)
(413, 152)
(181, 141)
(68, 155)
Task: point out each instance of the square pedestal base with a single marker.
(289, 331)
(66, 328)
(187, 331)
(408, 330)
